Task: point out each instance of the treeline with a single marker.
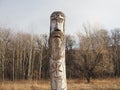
(94, 53)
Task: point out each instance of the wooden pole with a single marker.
(57, 51)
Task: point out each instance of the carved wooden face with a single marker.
(57, 35)
(57, 22)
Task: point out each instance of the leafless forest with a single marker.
(93, 53)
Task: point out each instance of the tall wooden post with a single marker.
(57, 51)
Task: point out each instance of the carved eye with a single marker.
(62, 15)
(54, 21)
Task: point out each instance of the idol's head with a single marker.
(57, 22)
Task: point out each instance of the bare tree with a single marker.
(92, 45)
(70, 44)
(41, 44)
(115, 51)
(45, 57)
(4, 40)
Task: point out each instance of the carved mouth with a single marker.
(56, 36)
(57, 33)
(57, 30)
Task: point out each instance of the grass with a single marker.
(104, 84)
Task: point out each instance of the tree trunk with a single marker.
(40, 61)
(30, 59)
(32, 64)
(3, 66)
(13, 64)
(3, 63)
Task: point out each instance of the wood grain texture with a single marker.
(57, 51)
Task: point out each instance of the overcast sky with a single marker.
(33, 16)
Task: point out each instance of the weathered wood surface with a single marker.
(57, 51)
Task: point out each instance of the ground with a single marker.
(99, 84)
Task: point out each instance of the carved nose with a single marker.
(57, 28)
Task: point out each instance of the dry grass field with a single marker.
(107, 84)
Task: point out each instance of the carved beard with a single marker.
(57, 45)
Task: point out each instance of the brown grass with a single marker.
(107, 84)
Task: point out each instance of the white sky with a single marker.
(33, 16)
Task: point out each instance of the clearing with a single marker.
(98, 84)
